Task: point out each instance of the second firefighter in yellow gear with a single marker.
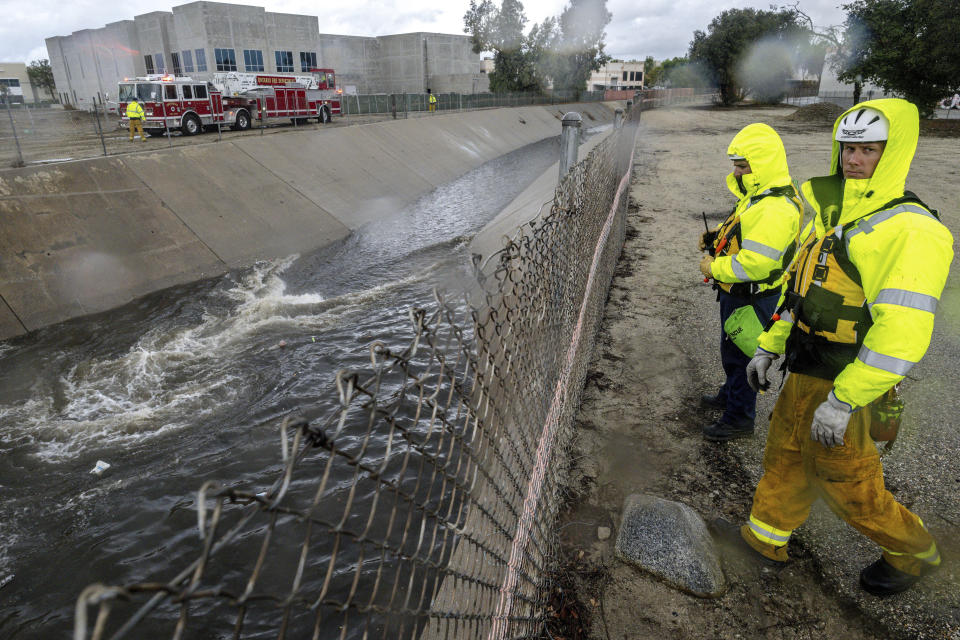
(857, 313)
(749, 253)
(135, 116)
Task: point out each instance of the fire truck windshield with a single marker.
(144, 92)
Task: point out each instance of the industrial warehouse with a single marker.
(199, 39)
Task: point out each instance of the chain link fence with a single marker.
(423, 506)
(31, 134)
(405, 103)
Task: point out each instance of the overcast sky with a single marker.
(658, 28)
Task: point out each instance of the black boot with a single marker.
(717, 401)
(882, 579)
(721, 431)
(728, 535)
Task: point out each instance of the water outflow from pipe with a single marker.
(190, 384)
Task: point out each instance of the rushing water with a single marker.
(189, 384)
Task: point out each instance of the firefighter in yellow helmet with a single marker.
(748, 255)
(856, 315)
(135, 116)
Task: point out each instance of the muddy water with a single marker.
(189, 384)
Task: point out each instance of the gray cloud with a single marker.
(661, 28)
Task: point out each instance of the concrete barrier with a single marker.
(83, 237)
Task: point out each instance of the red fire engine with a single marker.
(237, 100)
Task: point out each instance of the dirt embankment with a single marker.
(639, 426)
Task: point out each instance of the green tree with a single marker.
(652, 72)
(41, 75)
(580, 43)
(724, 49)
(501, 30)
(906, 47)
(680, 72)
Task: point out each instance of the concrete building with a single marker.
(617, 76)
(200, 38)
(15, 83)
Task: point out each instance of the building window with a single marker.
(148, 61)
(177, 69)
(201, 59)
(158, 61)
(226, 59)
(253, 60)
(308, 60)
(624, 75)
(284, 61)
(187, 61)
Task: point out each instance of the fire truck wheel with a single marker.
(324, 116)
(191, 126)
(242, 122)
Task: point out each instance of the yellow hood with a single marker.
(763, 149)
(861, 197)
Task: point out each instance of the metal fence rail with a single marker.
(32, 135)
(383, 103)
(423, 507)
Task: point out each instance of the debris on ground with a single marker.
(822, 112)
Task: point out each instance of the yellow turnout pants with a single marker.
(136, 126)
(798, 470)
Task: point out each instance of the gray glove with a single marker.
(758, 367)
(830, 421)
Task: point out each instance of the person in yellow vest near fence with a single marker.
(432, 100)
(748, 255)
(135, 115)
(857, 313)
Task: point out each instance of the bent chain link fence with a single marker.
(424, 506)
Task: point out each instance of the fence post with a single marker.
(618, 119)
(96, 118)
(569, 141)
(33, 125)
(393, 105)
(6, 101)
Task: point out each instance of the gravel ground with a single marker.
(639, 426)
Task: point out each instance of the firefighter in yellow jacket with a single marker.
(748, 254)
(856, 315)
(135, 116)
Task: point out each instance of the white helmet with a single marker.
(733, 156)
(863, 125)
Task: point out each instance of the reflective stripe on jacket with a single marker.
(761, 233)
(134, 110)
(898, 249)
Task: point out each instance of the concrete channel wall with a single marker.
(83, 237)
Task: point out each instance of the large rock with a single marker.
(670, 540)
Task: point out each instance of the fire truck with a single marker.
(237, 100)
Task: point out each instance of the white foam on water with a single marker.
(171, 379)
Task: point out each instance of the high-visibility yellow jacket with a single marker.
(134, 110)
(760, 236)
(433, 99)
(896, 248)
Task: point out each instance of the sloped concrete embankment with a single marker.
(83, 237)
